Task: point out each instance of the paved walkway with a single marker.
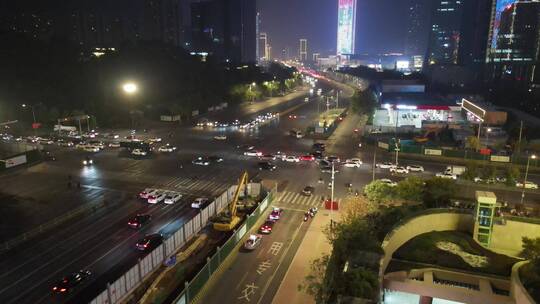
(313, 246)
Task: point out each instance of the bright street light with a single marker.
(129, 88)
(525, 181)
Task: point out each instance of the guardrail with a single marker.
(193, 288)
(49, 225)
(129, 281)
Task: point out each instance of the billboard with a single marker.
(346, 26)
(499, 8)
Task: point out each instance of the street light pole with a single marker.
(33, 115)
(525, 181)
(488, 130)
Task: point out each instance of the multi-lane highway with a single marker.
(102, 242)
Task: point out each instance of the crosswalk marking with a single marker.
(292, 198)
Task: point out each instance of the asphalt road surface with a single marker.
(102, 242)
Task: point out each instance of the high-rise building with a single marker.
(458, 32)
(98, 23)
(302, 50)
(418, 28)
(257, 37)
(514, 44)
(226, 29)
(445, 36)
(346, 27)
(263, 47)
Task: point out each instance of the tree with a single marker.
(531, 251)
(471, 172)
(363, 102)
(472, 143)
(316, 283)
(512, 174)
(489, 172)
(378, 192)
(357, 207)
(361, 283)
(438, 191)
(410, 189)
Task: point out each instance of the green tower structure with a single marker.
(486, 202)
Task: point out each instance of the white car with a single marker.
(388, 182)
(399, 170)
(528, 185)
(220, 137)
(201, 161)
(446, 175)
(139, 152)
(172, 198)
(167, 148)
(292, 159)
(93, 149)
(98, 144)
(253, 153)
(353, 163)
(199, 203)
(156, 198)
(386, 165)
(114, 145)
(415, 168)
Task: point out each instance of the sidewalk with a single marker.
(313, 246)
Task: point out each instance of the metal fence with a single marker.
(124, 285)
(462, 154)
(193, 287)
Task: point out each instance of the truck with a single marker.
(296, 133)
(457, 170)
(65, 128)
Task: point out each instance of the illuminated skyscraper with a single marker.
(514, 42)
(302, 51)
(346, 27)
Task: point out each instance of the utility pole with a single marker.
(374, 161)
(332, 199)
(520, 132)
(397, 151)
(479, 128)
(327, 105)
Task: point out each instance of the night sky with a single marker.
(381, 25)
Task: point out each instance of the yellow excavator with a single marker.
(228, 219)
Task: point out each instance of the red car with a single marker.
(307, 157)
(266, 228)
